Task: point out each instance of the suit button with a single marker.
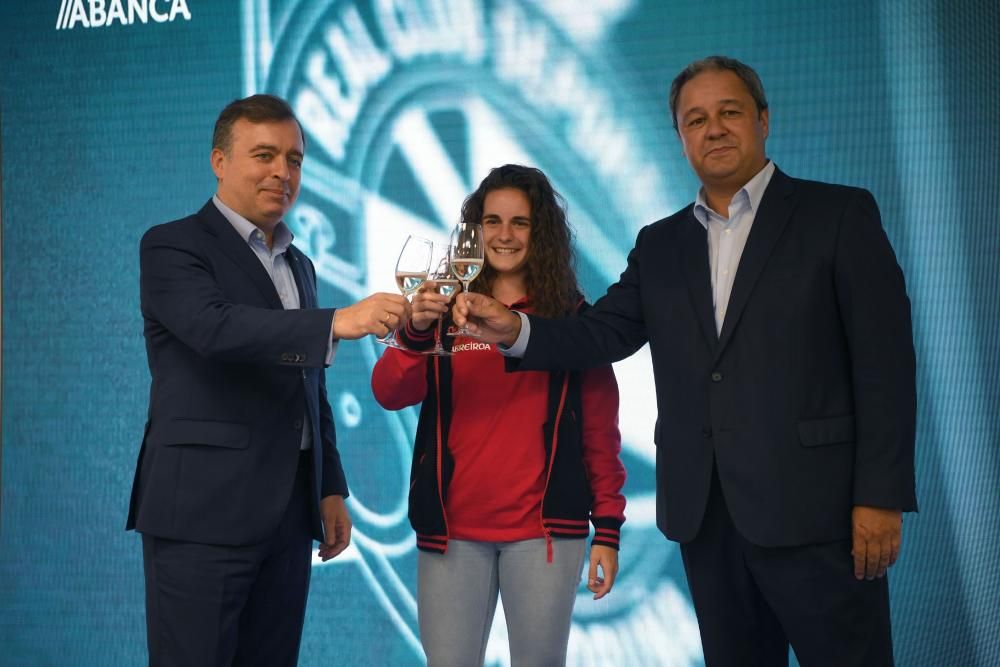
(706, 431)
(297, 425)
(716, 376)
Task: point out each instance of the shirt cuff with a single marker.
(521, 344)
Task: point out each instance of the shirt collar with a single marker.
(247, 230)
(751, 193)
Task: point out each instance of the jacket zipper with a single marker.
(440, 451)
(548, 472)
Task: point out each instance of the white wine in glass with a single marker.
(466, 270)
(411, 271)
(446, 286)
(409, 282)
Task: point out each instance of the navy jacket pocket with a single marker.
(828, 431)
(232, 435)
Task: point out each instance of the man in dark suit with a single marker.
(238, 470)
(780, 334)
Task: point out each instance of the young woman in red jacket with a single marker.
(509, 469)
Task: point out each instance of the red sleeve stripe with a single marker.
(437, 547)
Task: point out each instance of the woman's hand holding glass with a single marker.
(433, 300)
(428, 306)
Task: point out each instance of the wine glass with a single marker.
(441, 280)
(466, 258)
(411, 271)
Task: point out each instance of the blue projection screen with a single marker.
(107, 108)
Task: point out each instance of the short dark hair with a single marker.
(718, 63)
(259, 108)
(549, 276)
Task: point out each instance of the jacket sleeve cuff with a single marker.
(607, 531)
(413, 339)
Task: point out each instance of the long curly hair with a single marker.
(549, 276)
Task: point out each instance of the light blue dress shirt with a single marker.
(727, 236)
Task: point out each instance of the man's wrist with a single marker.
(515, 333)
(521, 332)
(333, 325)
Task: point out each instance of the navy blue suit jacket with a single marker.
(806, 401)
(233, 377)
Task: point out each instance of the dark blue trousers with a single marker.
(753, 601)
(221, 606)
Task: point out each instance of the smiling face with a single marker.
(258, 177)
(507, 230)
(721, 131)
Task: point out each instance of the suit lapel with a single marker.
(237, 250)
(303, 278)
(772, 216)
(694, 259)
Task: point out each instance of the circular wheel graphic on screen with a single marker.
(405, 107)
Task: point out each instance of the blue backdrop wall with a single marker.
(106, 112)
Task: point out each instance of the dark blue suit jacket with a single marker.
(806, 400)
(233, 377)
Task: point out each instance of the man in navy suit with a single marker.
(238, 470)
(780, 334)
